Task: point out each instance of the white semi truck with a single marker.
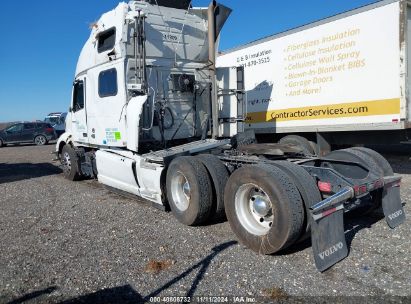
(344, 79)
(152, 117)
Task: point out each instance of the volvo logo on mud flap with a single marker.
(331, 250)
(395, 215)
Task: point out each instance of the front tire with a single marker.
(189, 191)
(70, 162)
(1, 143)
(264, 208)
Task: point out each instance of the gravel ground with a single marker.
(76, 242)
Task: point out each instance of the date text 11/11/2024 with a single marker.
(204, 299)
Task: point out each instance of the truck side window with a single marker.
(106, 40)
(78, 96)
(107, 83)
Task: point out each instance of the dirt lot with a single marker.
(79, 243)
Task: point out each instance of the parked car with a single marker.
(58, 121)
(39, 133)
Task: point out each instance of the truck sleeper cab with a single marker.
(151, 117)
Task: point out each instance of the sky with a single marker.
(41, 41)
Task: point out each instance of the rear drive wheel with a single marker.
(374, 199)
(189, 190)
(308, 190)
(1, 143)
(40, 140)
(378, 158)
(352, 155)
(70, 162)
(219, 177)
(264, 208)
(306, 147)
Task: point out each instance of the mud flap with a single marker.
(328, 240)
(392, 207)
(327, 230)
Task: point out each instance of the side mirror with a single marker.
(70, 109)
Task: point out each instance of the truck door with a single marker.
(78, 111)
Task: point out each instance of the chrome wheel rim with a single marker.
(66, 160)
(254, 209)
(40, 140)
(180, 191)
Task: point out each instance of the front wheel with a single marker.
(70, 162)
(1, 143)
(40, 140)
(264, 208)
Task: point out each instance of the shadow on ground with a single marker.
(122, 294)
(34, 295)
(22, 171)
(28, 144)
(126, 293)
(353, 224)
